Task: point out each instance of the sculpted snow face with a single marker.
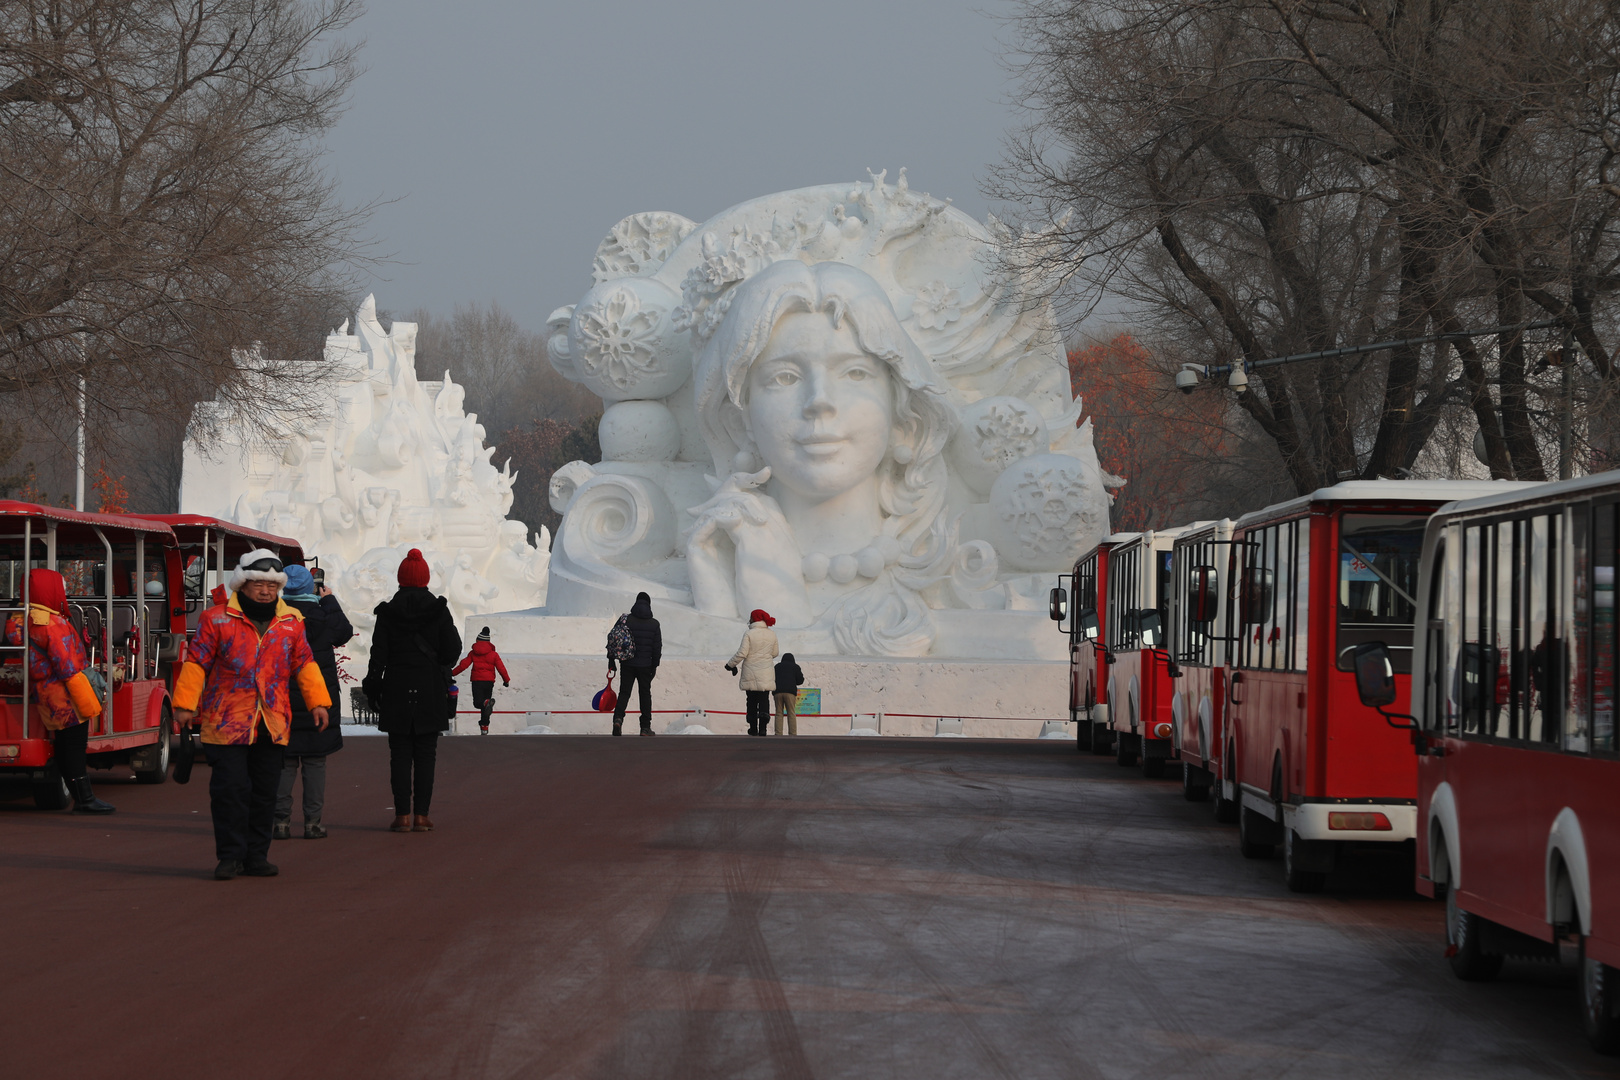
(826, 404)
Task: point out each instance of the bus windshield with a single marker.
(1378, 573)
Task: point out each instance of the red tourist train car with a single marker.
(1079, 609)
(1197, 639)
(209, 550)
(1313, 578)
(123, 578)
(1140, 672)
(1514, 706)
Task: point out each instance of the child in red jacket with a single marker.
(485, 663)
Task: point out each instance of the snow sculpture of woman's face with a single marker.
(819, 407)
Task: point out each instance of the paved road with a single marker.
(730, 907)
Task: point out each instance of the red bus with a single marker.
(123, 577)
(1314, 769)
(1514, 706)
(1139, 669)
(1196, 636)
(1079, 609)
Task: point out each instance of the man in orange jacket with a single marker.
(235, 679)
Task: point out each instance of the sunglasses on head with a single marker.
(272, 565)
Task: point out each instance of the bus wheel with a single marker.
(1082, 732)
(1152, 767)
(1191, 789)
(1600, 1009)
(52, 793)
(1102, 739)
(1297, 879)
(1249, 827)
(1226, 810)
(1122, 756)
(1468, 961)
(155, 763)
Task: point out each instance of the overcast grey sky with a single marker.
(512, 135)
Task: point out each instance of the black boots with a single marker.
(84, 798)
(618, 725)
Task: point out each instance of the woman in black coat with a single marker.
(326, 628)
(412, 647)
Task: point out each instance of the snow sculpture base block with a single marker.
(557, 665)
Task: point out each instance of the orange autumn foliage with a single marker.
(1161, 441)
(112, 497)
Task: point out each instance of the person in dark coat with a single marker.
(413, 644)
(642, 664)
(789, 677)
(326, 628)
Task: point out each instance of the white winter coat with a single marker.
(754, 656)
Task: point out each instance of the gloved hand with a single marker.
(613, 665)
(731, 669)
(506, 683)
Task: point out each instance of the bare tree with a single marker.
(165, 230)
(1266, 177)
(503, 367)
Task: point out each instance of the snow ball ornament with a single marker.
(994, 433)
(1045, 512)
(623, 344)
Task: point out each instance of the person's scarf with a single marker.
(300, 597)
(260, 614)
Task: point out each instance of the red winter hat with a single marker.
(761, 615)
(414, 570)
(46, 588)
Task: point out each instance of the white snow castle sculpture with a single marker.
(393, 464)
(834, 405)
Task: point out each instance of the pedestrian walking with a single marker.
(485, 662)
(239, 670)
(65, 699)
(408, 682)
(326, 628)
(789, 677)
(641, 665)
(758, 679)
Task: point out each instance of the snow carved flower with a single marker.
(619, 340)
(937, 305)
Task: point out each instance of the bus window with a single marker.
(1574, 593)
(1378, 572)
(1604, 539)
(1544, 651)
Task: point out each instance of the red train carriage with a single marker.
(1140, 670)
(123, 577)
(1514, 702)
(1316, 577)
(1197, 639)
(209, 550)
(1080, 618)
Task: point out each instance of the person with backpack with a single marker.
(485, 662)
(758, 679)
(789, 677)
(637, 642)
(408, 682)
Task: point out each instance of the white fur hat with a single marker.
(247, 571)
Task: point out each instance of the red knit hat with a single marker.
(414, 570)
(761, 615)
(46, 588)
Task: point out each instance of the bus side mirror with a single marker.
(1087, 623)
(1151, 628)
(1058, 604)
(1375, 676)
(1256, 597)
(1203, 598)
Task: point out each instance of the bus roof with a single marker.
(186, 522)
(1389, 491)
(80, 520)
(1531, 492)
